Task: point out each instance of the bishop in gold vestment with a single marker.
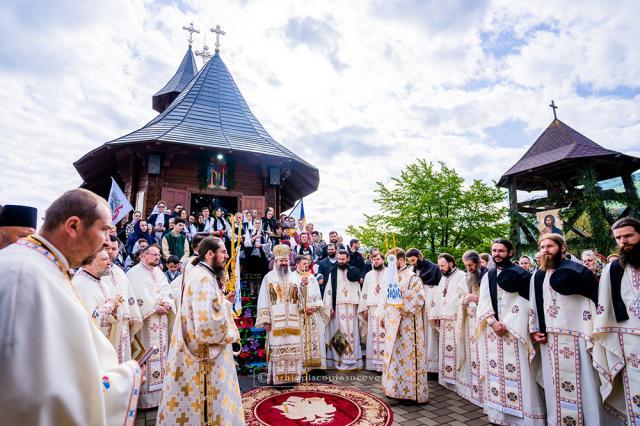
(279, 306)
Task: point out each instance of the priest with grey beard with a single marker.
(279, 308)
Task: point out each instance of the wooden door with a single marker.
(258, 202)
(173, 196)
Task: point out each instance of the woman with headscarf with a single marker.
(140, 231)
(593, 262)
(306, 249)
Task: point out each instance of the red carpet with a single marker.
(327, 405)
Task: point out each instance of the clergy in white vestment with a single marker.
(443, 314)
(314, 351)
(616, 354)
(374, 289)
(404, 373)
(100, 302)
(156, 303)
(279, 313)
(129, 316)
(468, 385)
(341, 300)
(58, 368)
(510, 387)
(201, 385)
(563, 295)
(430, 275)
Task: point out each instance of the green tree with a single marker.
(430, 208)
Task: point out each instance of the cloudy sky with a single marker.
(358, 88)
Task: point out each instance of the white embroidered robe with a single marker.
(374, 289)
(571, 383)
(432, 336)
(443, 314)
(200, 360)
(345, 319)
(616, 354)
(58, 368)
(152, 289)
(95, 295)
(404, 374)
(279, 305)
(468, 385)
(129, 316)
(510, 390)
(314, 349)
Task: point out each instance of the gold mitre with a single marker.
(281, 251)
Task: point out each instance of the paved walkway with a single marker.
(444, 407)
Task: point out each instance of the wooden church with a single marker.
(205, 148)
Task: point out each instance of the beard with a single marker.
(218, 271)
(331, 255)
(283, 272)
(551, 261)
(629, 257)
(473, 280)
(503, 262)
(379, 267)
(342, 266)
(106, 272)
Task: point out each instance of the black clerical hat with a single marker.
(13, 215)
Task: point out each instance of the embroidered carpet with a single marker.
(314, 404)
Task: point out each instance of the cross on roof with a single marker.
(204, 54)
(218, 32)
(554, 108)
(191, 30)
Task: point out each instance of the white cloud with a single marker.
(360, 89)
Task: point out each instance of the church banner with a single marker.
(119, 203)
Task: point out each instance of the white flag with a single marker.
(120, 205)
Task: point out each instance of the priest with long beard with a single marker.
(374, 290)
(201, 386)
(510, 392)
(156, 302)
(279, 308)
(617, 324)
(563, 304)
(467, 344)
(341, 300)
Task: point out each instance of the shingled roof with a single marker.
(558, 153)
(211, 113)
(184, 74)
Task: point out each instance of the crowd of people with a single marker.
(545, 340)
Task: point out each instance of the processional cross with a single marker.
(554, 107)
(191, 30)
(218, 32)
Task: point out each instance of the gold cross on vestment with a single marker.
(190, 29)
(183, 419)
(172, 404)
(187, 389)
(218, 32)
